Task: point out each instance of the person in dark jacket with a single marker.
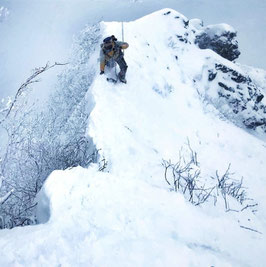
(111, 50)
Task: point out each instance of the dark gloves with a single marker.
(102, 72)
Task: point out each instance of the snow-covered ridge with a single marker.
(222, 83)
(127, 216)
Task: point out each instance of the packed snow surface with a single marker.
(126, 215)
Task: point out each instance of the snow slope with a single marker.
(126, 215)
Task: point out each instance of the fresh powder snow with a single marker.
(128, 215)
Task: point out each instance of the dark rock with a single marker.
(212, 75)
(222, 68)
(167, 13)
(223, 42)
(253, 122)
(230, 89)
(186, 22)
(182, 39)
(250, 91)
(235, 76)
(259, 98)
(239, 78)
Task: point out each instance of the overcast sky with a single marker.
(38, 31)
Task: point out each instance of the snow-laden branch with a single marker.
(7, 195)
(32, 79)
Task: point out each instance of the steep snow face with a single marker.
(129, 215)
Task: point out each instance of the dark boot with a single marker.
(121, 77)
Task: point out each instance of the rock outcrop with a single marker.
(220, 38)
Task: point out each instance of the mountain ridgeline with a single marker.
(224, 83)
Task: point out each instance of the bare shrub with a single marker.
(228, 187)
(184, 176)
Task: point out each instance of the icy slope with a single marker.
(127, 216)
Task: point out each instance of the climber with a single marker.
(111, 51)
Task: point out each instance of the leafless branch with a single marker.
(185, 177)
(250, 229)
(32, 79)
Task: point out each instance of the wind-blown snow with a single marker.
(127, 216)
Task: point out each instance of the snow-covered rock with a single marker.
(225, 85)
(196, 23)
(220, 38)
(128, 215)
(234, 93)
(258, 76)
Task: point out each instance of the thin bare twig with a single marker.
(29, 81)
(250, 229)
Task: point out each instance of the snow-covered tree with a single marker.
(39, 142)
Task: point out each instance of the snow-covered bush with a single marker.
(184, 176)
(39, 142)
